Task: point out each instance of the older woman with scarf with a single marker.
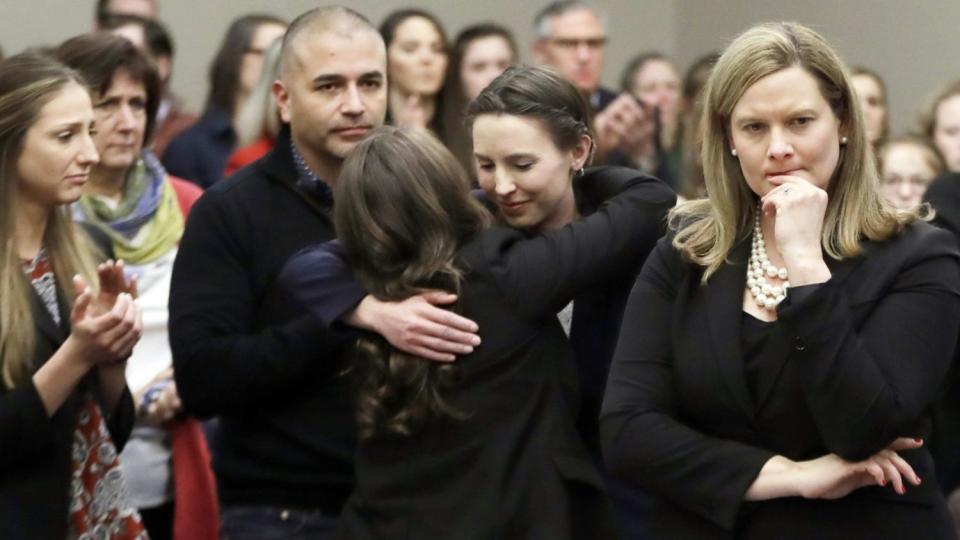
(142, 209)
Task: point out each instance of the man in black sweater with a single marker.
(284, 449)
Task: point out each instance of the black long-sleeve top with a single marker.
(268, 370)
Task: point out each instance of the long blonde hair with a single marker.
(27, 83)
(707, 230)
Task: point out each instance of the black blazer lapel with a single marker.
(725, 305)
(780, 348)
(45, 324)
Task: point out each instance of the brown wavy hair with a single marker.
(403, 211)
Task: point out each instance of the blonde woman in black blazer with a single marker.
(793, 402)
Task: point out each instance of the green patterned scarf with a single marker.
(147, 223)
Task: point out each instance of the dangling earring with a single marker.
(733, 152)
(843, 140)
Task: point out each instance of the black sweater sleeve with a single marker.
(224, 358)
(544, 272)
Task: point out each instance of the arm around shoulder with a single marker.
(544, 272)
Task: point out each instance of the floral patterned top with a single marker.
(99, 505)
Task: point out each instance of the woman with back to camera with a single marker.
(416, 65)
(480, 53)
(64, 405)
(783, 345)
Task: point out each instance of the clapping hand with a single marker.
(106, 325)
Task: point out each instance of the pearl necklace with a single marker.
(765, 295)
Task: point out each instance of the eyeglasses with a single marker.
(594, 43)
(111, 107)
(915, 182)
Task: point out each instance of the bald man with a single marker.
(273, 376)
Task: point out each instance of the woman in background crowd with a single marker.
(66, 325)
(652, 78)
(480, 53)
(872, 93)
(783, 345)
(940, 123)
(908, 164)
(132, 200)
(200, 153)
(258, 121)
(694, 80)
(416, 65)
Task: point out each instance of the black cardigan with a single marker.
(265, 368)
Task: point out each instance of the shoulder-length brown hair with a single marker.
(403, 211)
(99, 56)
(707, 230)
(29, 81)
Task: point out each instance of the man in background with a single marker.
(571, 38)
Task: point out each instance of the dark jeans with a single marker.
(272, 522)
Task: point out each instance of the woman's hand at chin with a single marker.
(798, 208)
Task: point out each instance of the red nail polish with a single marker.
(918, 440)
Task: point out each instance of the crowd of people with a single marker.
(389, 284)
